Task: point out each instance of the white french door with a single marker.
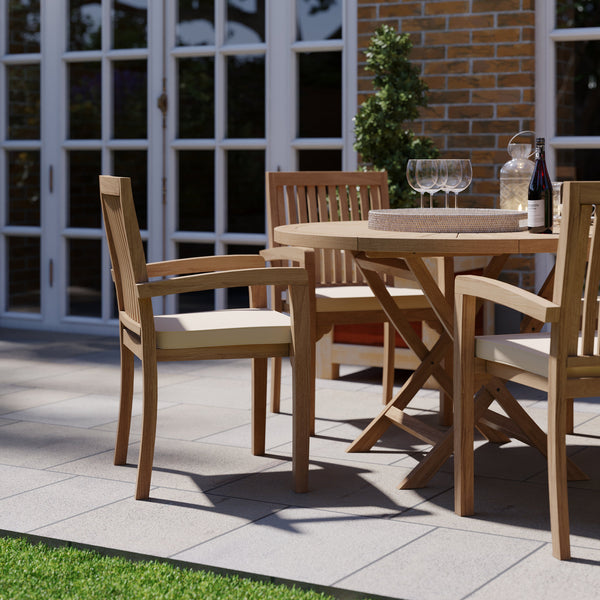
(193, 99)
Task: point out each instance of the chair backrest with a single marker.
(314, 196)
(578, 276)
(124, 241)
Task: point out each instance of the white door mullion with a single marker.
(349, 83)
(280, 82)
(220, 127)
(159, 222)
(220, 133)
(106, 154)
(52, 193)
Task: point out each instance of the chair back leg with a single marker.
(259, 404)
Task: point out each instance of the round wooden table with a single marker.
(402, 253)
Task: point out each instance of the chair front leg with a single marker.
(146, 458)
(557, 472)
(464, 407)
(302, 420)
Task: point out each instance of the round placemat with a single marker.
(447, 220)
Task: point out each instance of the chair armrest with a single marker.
(304, 257)
(508, 295)
(224, 279)
(204, 264)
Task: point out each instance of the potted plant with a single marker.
(383, 138)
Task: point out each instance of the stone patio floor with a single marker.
(215, 505)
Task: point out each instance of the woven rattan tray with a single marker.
(448, 220)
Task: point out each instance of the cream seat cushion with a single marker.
(233, 327)
(527, 351)
(361, 298)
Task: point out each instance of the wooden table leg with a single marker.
(429, 367)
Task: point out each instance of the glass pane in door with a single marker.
(23, 26)
(23, 274)
(24, 188)
(196, 192)
(84, 202)
(195, 23)
(130, 23)
(23, 102)
(130, 82)
(319, 19)
(245, 21)
(246, 96)
(246, 191)
(196, 97)
(320, 94)
(85, 95)
(85, 268)
(85, 25)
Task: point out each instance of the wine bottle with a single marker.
(539, 199)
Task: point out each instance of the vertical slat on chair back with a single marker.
(314, 196)
(578, 268)
(124, 241)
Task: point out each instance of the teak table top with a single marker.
(356, 236)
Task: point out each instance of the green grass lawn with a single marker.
(35, 571)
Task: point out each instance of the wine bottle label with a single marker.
(535, 213)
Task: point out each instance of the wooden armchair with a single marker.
(565, 362)
(342, 295)
(256, 332)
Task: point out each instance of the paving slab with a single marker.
(539, 577)
(16, 480)
(315, 546)
(41, 445)
(445, 563)
(163, 526)
(43, 506)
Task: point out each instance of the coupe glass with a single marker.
(465, 182)
(427, 177)
(411, 177)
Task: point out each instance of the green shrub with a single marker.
(380, 127)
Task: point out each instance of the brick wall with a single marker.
(477, 57)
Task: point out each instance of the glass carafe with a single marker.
(515, 175)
